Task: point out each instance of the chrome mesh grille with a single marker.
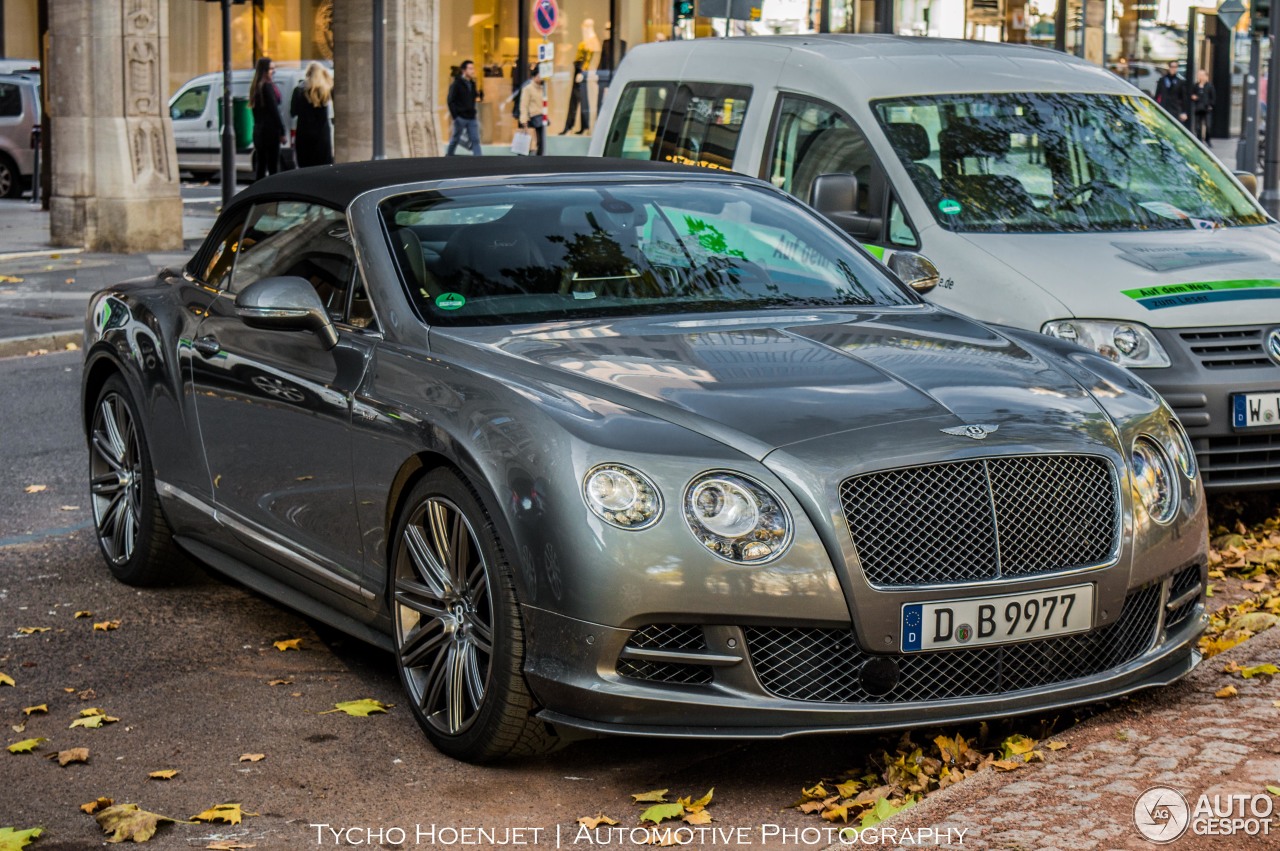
(672, 636)
(1225, 348)
(982, 519)
(824, 664)
(1183, 581)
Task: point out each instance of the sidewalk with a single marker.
(44, 289)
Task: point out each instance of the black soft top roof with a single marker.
(337, 185)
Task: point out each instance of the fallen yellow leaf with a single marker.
(280, 683)
(44, 707)
(31, 630)
(291, 644)
(359, 708)
(26, 745)
(592, 822)
(1266, 669)
(128, 821)
(1226, 691)
(657, 796)
(104, 626)
(69, 756)
(93, 719)
(227, 845)
(252, 757)
(82, 614)
(35, 488)
(165, 774)
(5, 679)
(229, 813)
(95, 805)
(1055, 746)
(12, 839)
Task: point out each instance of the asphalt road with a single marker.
(188, 673)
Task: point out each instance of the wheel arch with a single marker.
(100, 365)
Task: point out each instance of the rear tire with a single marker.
(11, 182)
(458, 636)
(132, 533)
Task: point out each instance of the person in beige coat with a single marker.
(533, 108)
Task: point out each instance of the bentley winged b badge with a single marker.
(977, 432)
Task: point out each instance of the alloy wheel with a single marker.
(6, 180)
(444, 616)
(115, 470)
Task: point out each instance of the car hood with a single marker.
(1166, 279)
(762, 382)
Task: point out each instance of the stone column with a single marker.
(410, 96)
(115, 176)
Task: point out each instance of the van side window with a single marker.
(10, 100)
(637, 120)
(703, 125)
(191, 103)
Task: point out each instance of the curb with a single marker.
(56, 341)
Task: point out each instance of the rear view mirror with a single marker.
(286, 303)
(836, 197)
(1249, 180)
(916, 271)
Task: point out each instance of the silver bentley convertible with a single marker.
(637, 449)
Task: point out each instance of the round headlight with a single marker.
(737, 518)
(621, 496)
(1153, 480)
(1180, 445)
(1126, 339)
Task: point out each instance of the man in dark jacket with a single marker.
(462, 109)
(1171, 93)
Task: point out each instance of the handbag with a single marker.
(521, 142)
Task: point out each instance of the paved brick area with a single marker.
(1083, 797)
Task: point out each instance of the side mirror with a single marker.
(916, 271)
(286, 303)
(1249, 180)
(836, 197)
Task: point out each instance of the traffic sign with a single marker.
(546, 14)
(1230, 12)
(546, 52)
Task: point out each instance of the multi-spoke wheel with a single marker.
(132, 533)
(459, 643)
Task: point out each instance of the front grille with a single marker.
(1239, 459)
(1183, 581)
(825, 664)
(972, 520)
(674, 637)
(1226, 348)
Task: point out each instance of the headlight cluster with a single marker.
(1125, 343)
(1156, 467)
(733, 516)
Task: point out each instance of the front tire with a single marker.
(10, 179)
(132, 533)
(458, 635)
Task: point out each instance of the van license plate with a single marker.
(1251, 410)
(997, 620)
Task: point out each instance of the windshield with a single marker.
(539, 253)
(1028, 162)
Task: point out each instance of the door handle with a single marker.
(207, 346)
(209, 123)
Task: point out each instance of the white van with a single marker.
(1050, 194)
(197, 123)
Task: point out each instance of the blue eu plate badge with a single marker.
(912, 626)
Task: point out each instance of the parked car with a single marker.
(1051, 196)
(637, 449)
(19, 116)
(197, 121)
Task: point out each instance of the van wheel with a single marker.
(10, 180)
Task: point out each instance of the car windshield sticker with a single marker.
(875, 251)
(949, 207)
(1164, 257)
(1168, 211)
(450, 301)
(1179, 295)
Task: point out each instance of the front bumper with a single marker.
(574, 669)
(1209, 366)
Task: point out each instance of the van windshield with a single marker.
(1048, 163)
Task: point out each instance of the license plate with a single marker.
(1250, 410)
(996, 620)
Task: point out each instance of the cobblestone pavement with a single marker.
(1083, 797)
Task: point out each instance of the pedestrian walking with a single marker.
(1202, 101)
(462, 100)
(268, 127)
(312, 143)
(1171, 93)
(533, 107)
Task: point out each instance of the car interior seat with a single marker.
(911, 141)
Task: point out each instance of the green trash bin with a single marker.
(241, 122)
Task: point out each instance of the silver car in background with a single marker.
(19, 116)
(637, 449)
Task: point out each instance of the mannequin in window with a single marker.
(611, 52)
(579, 98)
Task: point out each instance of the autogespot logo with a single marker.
(1161, 814)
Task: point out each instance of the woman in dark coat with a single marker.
(1202, 97)
(312, 144)
(268, 127)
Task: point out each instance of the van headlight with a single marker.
(737, 518)
(1125, 343)
(1153, 479)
